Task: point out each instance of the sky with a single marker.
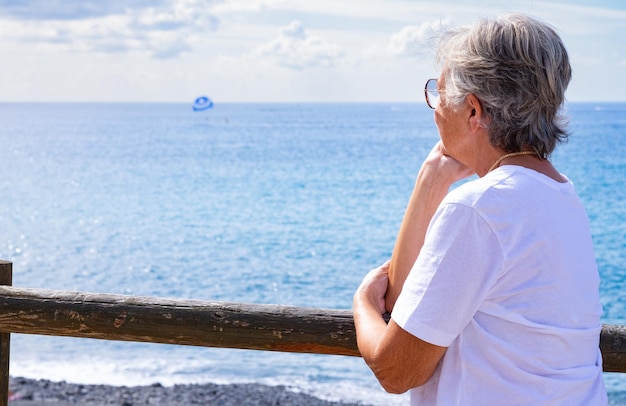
(272, 50)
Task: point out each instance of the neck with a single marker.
(505, 156)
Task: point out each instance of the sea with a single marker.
(285, 204)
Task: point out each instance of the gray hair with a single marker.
(518, 68)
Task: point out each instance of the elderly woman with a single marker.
(492, 287)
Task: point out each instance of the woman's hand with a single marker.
(445, 166)
(399, 359)
(374, 286)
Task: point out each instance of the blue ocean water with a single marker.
(264, 203)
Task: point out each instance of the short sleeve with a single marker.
(458, 264)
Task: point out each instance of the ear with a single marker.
(476, 113)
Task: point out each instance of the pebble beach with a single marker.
(33, 392)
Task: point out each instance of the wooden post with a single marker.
(613, 347)
(6, 278)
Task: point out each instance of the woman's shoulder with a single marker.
(471, 192)
(510, 188)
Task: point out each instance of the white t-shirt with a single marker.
(507, 280)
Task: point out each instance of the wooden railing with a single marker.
(195, 322)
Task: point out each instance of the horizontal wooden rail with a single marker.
(169, 321)
(204, 323)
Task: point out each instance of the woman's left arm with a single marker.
(438, 172)
(399, 360)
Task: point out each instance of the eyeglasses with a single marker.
(432, 94)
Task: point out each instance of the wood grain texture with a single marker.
(204, 323)
(6, 278)
(186, 322)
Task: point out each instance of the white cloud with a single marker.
(351, 50)
(294, 48)
(239, 6)
(165, 32)
(409, 42)
(181, 14)
(413, 40)
(293, 30)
